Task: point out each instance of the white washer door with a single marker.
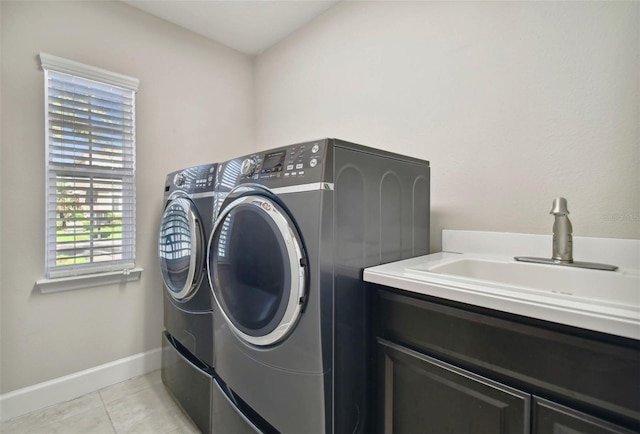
(257, 269)
(181, 249)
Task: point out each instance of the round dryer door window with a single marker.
(181, 249)
(257, 269)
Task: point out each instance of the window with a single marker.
(90, 150)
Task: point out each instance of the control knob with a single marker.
(248, 166)
(180, 179)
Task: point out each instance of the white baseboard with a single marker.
(62, 389)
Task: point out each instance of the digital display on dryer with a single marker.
(274, 162)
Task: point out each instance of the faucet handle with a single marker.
(559, 206)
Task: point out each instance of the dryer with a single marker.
(295, 230)
(187, 359)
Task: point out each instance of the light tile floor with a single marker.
(140, 405)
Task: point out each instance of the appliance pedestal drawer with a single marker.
(188, 380)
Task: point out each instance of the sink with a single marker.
(601, 301)
(610, 287)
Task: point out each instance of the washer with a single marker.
(296, 227)
(187, 359)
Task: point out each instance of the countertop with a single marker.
(601, 315)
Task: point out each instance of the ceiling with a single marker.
(249, 26)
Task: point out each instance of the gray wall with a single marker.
(194, 105)
(514, 103)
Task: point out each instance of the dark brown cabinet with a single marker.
(422, 394)
(550, 417)
(445, 367)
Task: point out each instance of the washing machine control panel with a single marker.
(193, 180)
(290, 165)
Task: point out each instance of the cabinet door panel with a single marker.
(594, 371)
(552, 418)
(423, 395)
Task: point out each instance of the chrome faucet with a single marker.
(563, 242)
(562, 238)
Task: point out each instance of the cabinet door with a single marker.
(552, 418)
(419, 394)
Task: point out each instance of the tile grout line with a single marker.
(106, 410)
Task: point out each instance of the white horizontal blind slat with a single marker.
(91, 175)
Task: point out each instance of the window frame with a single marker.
(62, 277)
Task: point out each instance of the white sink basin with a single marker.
(610, 287)
(602, 301)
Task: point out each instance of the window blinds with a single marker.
(90, 142)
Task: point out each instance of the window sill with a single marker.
(60, 284)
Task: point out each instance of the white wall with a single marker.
(514, 103)
(195, 105)
(0, 201)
